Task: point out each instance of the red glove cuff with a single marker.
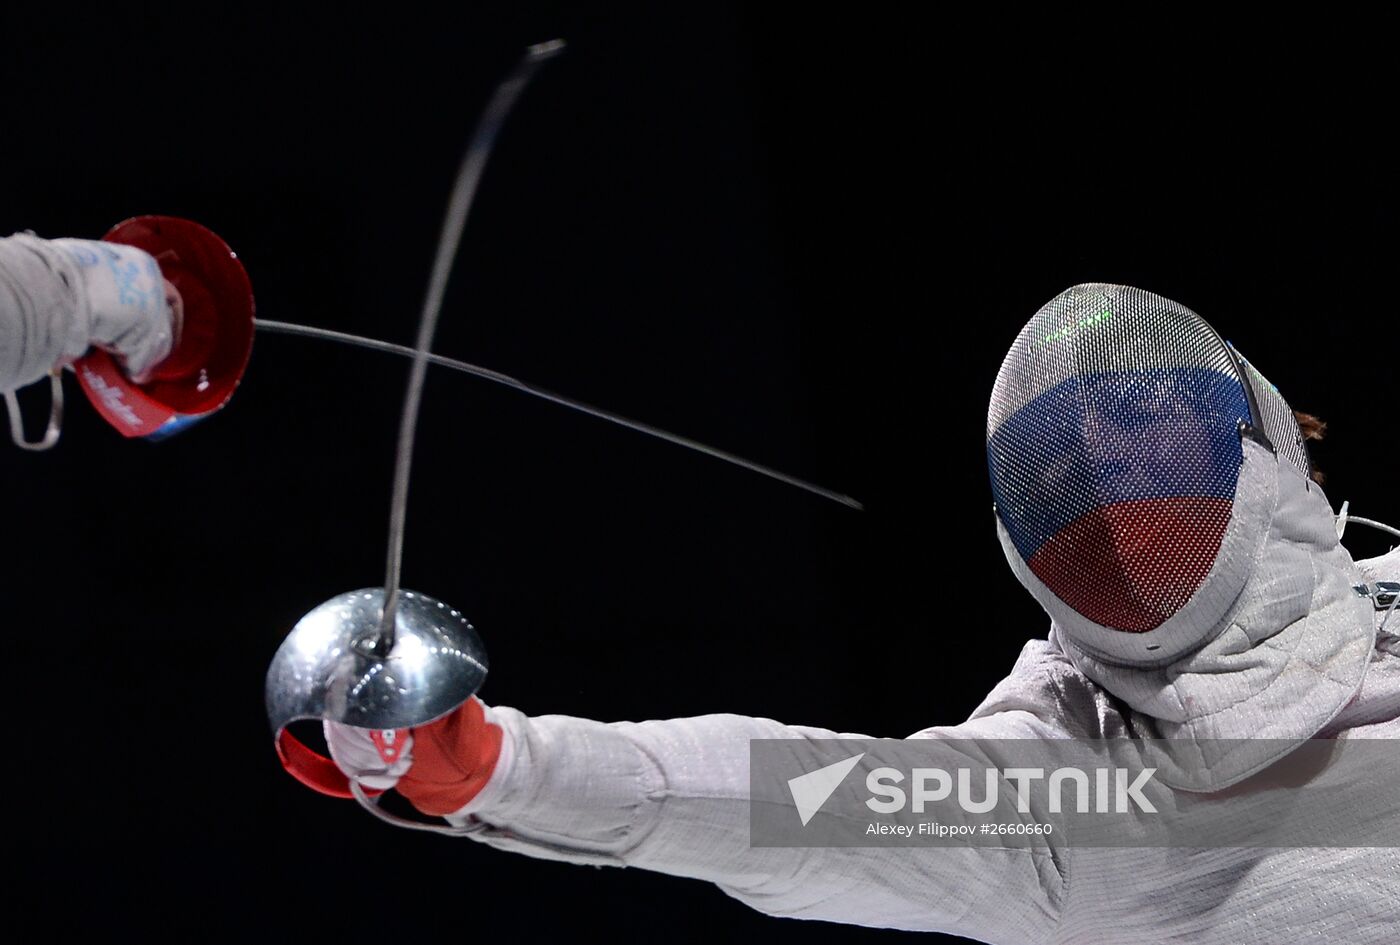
(453, 758)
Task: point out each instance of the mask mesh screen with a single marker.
(1114, 451)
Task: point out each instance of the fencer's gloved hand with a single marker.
(132, 310)
(439, 767)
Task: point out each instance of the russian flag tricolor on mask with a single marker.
(1113, 443)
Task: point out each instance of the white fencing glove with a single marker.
(132, 311)
(377, 759)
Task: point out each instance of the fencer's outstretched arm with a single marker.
(673, 796)
(60, 297)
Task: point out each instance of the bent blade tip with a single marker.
(547, 49)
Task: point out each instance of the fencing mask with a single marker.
(1153, 493)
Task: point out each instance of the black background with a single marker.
(808, 240)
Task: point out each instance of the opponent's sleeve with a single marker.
(43, 319)
(672, 796)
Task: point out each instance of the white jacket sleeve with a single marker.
(672, 796)
(42, 319)
(58, 297)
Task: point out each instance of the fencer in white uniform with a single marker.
(1274, 641)
(1265, 642)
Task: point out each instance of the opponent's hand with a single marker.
(439, 767)
(133, 311)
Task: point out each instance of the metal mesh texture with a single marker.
(1277, 419)
(1113, 447)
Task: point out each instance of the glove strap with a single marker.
(55, 427)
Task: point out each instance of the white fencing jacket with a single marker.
(672, 796)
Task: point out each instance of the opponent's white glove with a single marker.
(133, 311)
